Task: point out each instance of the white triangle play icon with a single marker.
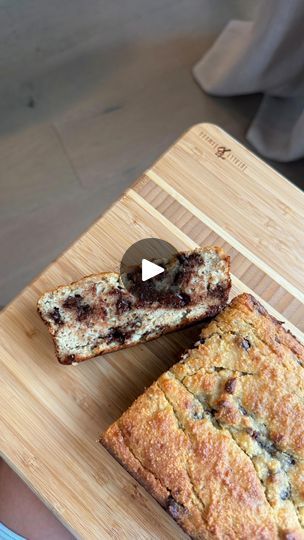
(149, 269)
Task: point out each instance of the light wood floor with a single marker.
(91, 93)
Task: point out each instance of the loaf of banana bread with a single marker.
(100, 314)
(218, 439)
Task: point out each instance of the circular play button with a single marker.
(150, 269)
(143, 266)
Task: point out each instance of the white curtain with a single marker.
(266, 55)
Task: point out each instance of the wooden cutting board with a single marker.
(206, 189)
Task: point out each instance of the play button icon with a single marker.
(149, 269)
(147, 259)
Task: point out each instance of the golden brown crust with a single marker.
(222, 431)
(270, 328)
(114, 442)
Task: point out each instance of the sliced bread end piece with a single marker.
(97, 314)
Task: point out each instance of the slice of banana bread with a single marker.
(98, 314)
(218, 440)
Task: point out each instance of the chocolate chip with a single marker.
(245, 344)
(122, 305)
(181, 257)
(71, 301)
(210, 410)
(75, 302)
(175, 509)
(83, 311)
(55, 315)
(242, 410)
(197, 415)
(264, 443)
(285, 494)
(254, 434)
(287, 460)
(183, 299)
(116, 335)
(230, 385)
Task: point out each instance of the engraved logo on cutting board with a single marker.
(223, 152)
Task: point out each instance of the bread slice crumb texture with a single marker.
(98, 314)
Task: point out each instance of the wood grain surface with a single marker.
(206, 189)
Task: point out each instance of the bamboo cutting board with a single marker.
(206, 189)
